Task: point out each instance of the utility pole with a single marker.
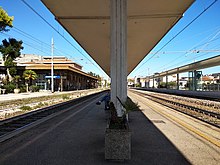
(52, 75)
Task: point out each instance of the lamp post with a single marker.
(52, 75)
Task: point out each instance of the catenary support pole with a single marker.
(118, 48)
(52, 71)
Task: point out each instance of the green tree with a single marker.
(29, 75)
(17, 79)
(163, 85)
(171, 84)
(91, 73)
(10, 51)
(5, 20)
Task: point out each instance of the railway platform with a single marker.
(13, 96)
(77, 137)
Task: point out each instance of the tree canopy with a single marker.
(30, 75)
(5, 20)
(10, 50)
(95, 75)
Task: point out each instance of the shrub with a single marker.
(162, 85)
(130, 106)
(9, 87)
(65, 97)
(115, 121)
(34, 88)
(39, 105)
(23, 88)
(25, 108)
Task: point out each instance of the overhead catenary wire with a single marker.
(25, 42)
(29, 6)
(31, 45)
(189, 37)
(196, 51)
(184, 62)
(185, 27)
(39, 41)
(190, 59)
(194, 48)
(25, 34)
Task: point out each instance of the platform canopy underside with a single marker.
(88, 22)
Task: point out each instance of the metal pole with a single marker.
(61, 83)
(52, 74)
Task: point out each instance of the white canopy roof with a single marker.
(207, 63)
(88, 22)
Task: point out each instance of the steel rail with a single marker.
(186, 109)
(15, 125)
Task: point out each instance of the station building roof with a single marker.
(38, 66)
(37, 62)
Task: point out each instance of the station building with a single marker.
(68, 75)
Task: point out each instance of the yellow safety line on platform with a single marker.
(208, 138)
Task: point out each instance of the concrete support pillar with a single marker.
(153, 81)
(159, 79)
(118, 47)
(177, 80)
(194, 80)
(167, 81)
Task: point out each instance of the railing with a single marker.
(211, 87)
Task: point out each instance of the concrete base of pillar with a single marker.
(117, 144)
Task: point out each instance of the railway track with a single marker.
(197, 109)
(13, 126)
(182, 93)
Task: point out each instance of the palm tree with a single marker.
(29, 75)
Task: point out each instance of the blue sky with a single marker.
(203, 34)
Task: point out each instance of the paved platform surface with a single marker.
(77, 138)
(13, 96)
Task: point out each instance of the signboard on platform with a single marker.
(56, 77)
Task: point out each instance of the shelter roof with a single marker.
(207, 63)
(88, 22)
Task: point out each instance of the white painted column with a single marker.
(166, 80)
(118, 47)
(153, 81)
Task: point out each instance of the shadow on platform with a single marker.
(149, 145)
(79, 140)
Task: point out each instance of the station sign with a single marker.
(56, 77)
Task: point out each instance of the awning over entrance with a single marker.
(88, 21)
